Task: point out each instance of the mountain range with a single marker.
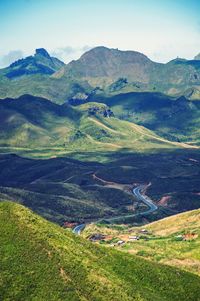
(99, 71)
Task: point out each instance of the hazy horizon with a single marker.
(162, 30)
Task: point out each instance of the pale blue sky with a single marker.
(162, 29)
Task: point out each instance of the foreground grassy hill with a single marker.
(173, 240)
(41, 261)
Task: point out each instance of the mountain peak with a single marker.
(111, 63)
(41, 62)
(42, 52)
(102, 50)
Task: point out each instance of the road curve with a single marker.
(142, 198)
(77, 230)
(145, 199)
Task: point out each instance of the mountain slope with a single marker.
(175, 241)
(31, 121)
(41, 261)
(40, 63)
(174, 119)
(117, 71)
(101, 71)
(102, 62)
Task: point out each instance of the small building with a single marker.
(120, 242)
(97, 237)
(144, 231)
(133, 238)
(179, 237)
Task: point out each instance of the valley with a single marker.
(173, 240)
(99, 178)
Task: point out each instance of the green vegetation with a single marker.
(79, 157)
(41, 261)
(44, 76)
(173, 119)
(40, 63)
(64, 129)
(173, 241)
(60, 189)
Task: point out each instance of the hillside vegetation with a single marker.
(174, 119)
(41, 261)
(33, 122)
(63, 188)
(98, 71)
(173, 240)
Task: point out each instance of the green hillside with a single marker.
(30, 121)
(60, 188)
(40, 63)
(33, 122)
(40, 261)
(98, 71)
(174, 119)
(174, 240)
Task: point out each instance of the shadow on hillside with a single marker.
(64, 188)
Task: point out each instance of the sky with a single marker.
(161, 29)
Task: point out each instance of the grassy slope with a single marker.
(170, 118)
(163, 245)
(41, 85)
(37, 126)
(43, 262)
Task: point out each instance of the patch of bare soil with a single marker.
(125, 187)
(164, 200)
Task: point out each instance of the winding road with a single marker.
(77, 230)
(145, 199)
(137, 191)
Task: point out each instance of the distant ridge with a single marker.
(100, 70)
(40, 63)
